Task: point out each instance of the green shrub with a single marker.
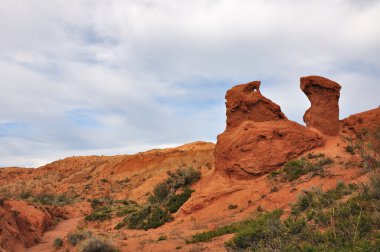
(350, 149)
(183, 177)
(157, 218)
(25, 195)
(232, 206)
(95, 244)
(161, 203)
(209, 235)
(177, 200)
(264, 233)
(78, 236)
(161, 191)
(58, 243)
(162, 238)
(51, 199)
(99, 216)
(101, 202)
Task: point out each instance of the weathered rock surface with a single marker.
(365, 120)
(256, 148)
(245, 102)
(323, 94)
(258, 138)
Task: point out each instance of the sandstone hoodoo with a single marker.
(323, 94)
(258, 137)
(245, 102)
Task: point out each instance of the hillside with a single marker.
(262, 162)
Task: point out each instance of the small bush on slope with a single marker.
(75, 237)
(296, 168)
(95, 244)
(166, 199)
(51, 199)
(58, 243)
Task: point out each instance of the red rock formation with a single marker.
(245, 102)
(258, 137)
(323, 94)
(354, 124)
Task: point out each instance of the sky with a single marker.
(107, 77)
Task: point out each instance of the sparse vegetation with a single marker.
(348, 214)
(96, 244)
(58, 243)
(350, 149)
(232, 206)
(293, 170)
(167, 197)
(76, 237)
(51, 199)
(162, 238)
(100, 215)
(25, 195)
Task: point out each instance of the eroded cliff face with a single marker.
(323, 94)
(258, 137)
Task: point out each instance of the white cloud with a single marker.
(113, 75)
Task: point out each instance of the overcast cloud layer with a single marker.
(82, 77)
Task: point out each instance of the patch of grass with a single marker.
(25, 195)
(76, 237)
(294, 169)
(162, 238)
(232, 206)
(96, 244)
(366, 144)
(209, 235)
(58, 243)
(350, 149)
(177, 200)
(99, 215)
(51, 199)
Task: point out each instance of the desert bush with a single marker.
(162, 238)
(96, 244)
(161, 203)
(264, 232)
(296, 168)
(99, 216)
(183, 177)
(51, 199)
(367, 145)
(25, 195)
(101, 202)
(58, 243)
(1, 202)
(161, 192)
(177, 200)
(232, 206)
(350, 149)
(75, 237)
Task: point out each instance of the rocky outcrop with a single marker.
(258, 137)
(354, 124)
(323, 94)
(245, 102)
